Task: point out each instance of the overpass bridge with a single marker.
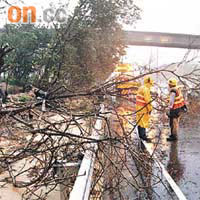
(159, 39)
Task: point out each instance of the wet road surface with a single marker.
(180, 158)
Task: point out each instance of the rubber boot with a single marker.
(142, 134)
(172, 138)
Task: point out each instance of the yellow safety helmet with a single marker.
(172, 82)
(148, 79)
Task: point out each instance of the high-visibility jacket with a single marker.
(143, 106)
(179, 100)
(143, 100)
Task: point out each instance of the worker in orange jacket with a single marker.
(144, 107)
(177, 106)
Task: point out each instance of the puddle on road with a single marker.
(181, 158)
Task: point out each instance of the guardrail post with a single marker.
(69, 170)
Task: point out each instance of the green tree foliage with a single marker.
(90, 43)
(29, 43)
(82, 51)
(4, 50)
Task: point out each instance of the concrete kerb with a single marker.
(169, 179)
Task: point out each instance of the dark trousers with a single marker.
(174, 119)
(142, 132)
(174, 126)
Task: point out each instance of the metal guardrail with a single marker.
(82, 185)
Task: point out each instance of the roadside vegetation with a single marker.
(71, 63)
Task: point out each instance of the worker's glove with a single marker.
(149, 112)
(185, 109)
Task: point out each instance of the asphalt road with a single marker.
(181, 158)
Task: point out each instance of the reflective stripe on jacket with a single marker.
(179, 100)
(140, 101)
(143, 100)
(143, 106)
